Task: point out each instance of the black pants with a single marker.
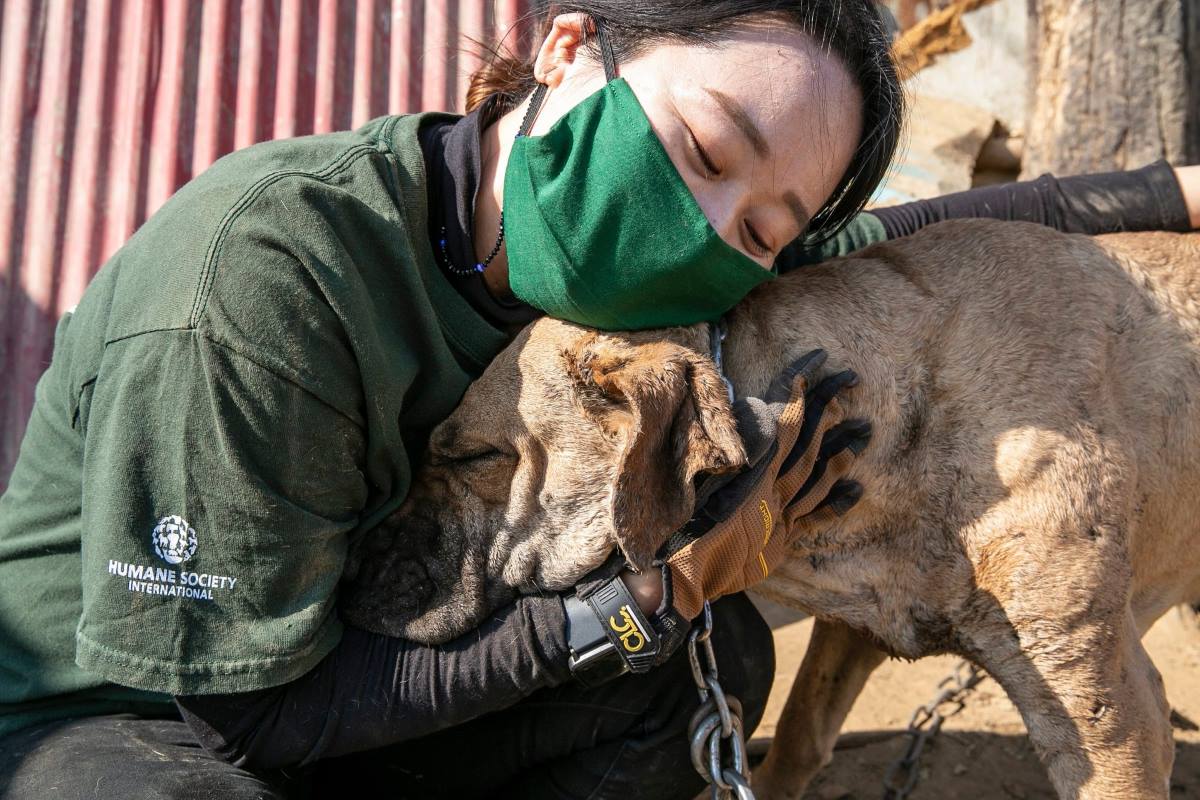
(625, 739)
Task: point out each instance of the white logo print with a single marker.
(174, 540)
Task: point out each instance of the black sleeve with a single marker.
(1142, 199)
(374, 690)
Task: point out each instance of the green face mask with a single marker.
(603, 231)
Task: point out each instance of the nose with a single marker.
(724, 206)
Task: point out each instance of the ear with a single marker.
(669, 408)
(559, 47)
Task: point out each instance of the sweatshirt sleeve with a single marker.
(1142, 199)
(863, 230)
(374, 690)
(217, 499)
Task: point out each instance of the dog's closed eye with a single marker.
(475, 457)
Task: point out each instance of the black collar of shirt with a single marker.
(452, 163)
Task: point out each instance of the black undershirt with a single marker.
(453, 164)
(374, 690)
(1146, 199)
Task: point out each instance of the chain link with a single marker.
(926, 723)
(718, 740)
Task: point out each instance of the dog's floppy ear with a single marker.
(668, 408)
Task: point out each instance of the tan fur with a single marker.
(1031, 488)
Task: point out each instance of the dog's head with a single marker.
(572, 443)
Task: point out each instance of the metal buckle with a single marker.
(716, 336)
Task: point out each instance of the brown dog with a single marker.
(1032, 488)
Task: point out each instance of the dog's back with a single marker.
(1018, 379)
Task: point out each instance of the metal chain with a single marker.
(718, 740)
(926, 723)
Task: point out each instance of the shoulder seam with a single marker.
(256, 362)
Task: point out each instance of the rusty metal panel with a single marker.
(108, 106)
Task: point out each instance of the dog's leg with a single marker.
(1094, 705)
(835, 669)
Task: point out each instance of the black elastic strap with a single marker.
(539, 93)
(606, 53)
(535, 105)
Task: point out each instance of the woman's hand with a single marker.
(646, 587)
(800, 450)
(1189, 184)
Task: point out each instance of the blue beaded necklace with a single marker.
(535, 103)
(479, 266)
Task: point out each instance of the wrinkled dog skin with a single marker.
(1032, 487)
(509, 502)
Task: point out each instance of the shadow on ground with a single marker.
(966, 765)
(982, 752)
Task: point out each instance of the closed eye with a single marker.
(760, 248)
(701, 154)
(443, 458)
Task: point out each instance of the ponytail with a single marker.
(502, 75)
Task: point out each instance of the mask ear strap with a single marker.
(606, 53)
(535, 105)
(539, 93)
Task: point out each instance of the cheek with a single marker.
(718, 200)
(572, 553)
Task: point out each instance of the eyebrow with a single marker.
(742, 120)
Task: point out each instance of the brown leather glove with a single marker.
(804, 450)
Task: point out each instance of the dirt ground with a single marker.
(983, 752)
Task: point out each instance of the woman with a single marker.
(245, 385)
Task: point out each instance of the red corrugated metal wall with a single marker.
(108, 106)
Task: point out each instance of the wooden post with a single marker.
(1115, 85)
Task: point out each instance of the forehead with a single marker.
(528, 376)
(798, 93)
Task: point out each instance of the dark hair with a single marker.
(851, 29)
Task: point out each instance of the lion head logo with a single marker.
(174, 540)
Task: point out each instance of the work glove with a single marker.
(799, 450)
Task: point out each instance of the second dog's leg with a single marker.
(835, 669)
(1095, 709)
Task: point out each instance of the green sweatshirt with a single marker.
(240, 393)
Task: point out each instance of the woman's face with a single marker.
(761, 127)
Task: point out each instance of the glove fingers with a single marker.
(854, 434)
(805, 367)
(814, 519)
(793, 478)
(842, 497)
(815, 403)
(812, 494)
(825, 391)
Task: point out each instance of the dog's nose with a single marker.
(389, 584)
